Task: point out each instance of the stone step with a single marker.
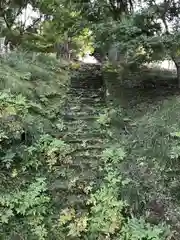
(84, 163)
(85, 125)
(89, 153)
(94, 102)
(77, 200)
(85, 176)
(65, 199)
(80, 141)
(83, 91)
(79, 98)
(86, 158)
(94, 98)
(79, 113)
(85, 107)
(82, 107)
(87, 110)
(80, 117)
(85, 149)
(87, 93)
(80, 121)
(78, 147)
(80, 164)
(81, 135)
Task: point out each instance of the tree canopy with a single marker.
(141, 31)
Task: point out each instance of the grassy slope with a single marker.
(32, 92)
(39, 78)
(150, 119)
(31, 75)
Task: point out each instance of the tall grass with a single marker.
(150, 133)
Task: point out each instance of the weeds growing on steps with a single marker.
(109, 216)
(38, 178)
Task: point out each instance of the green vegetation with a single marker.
(32, 91)
(47, 190)
(77, 163)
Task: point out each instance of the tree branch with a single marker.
(34, 23)
(6, 21)
(113, 9)
(163, 14)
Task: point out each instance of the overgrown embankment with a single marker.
(146, 122)
(33, 90)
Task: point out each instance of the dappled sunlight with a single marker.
(88, 59)
(166, 64)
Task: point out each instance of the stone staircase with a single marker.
(87, 141)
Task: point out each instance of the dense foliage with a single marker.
(130, 31)
(36, 163)
(32, 91)
(74, 166)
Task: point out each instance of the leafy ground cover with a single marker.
(146, 123)
(33, 88)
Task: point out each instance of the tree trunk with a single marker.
(178, 74)
(177, 64)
